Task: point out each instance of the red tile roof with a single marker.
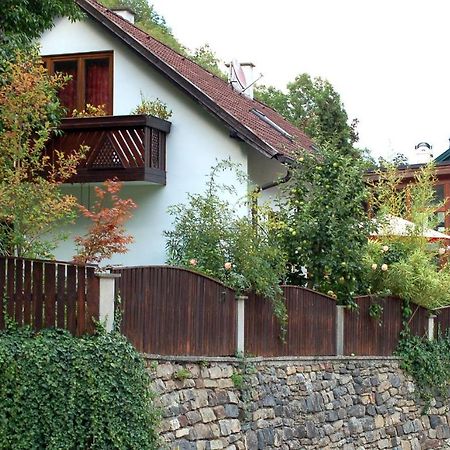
(215, 94)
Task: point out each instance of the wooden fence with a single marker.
(311, 326)
(46, 294)
(174, 311)
(366, 335)
(169, 310)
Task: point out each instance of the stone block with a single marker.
(164, 371)
(215, 372)
(216, 444)
(181, 432)
(207, 415)
(231, 410)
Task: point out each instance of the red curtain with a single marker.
(98, 83)
(68, 94)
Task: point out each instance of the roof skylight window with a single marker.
(270, 122)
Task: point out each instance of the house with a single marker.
(114, 63)
(442, 186)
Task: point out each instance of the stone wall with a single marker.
(297, 403)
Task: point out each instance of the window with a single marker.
(91, 82)
(270, 122)
(439, 198)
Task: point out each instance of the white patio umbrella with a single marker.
(396, 226)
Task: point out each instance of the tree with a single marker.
(106, 236)
(399, 159)
(22, 21)
(206, 57)
(324, 224)
(148, 20)
(314, 106)
(31, 202)
(407, 265)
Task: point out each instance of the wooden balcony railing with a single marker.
(129, 148)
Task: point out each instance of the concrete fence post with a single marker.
(240, 323)
(431, 327)
(107, 296)
(340, 319)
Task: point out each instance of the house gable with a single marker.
(241, 115)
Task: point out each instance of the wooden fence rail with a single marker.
(47, 294)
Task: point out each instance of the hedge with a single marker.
(60, 392)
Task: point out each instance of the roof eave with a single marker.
(195, 93)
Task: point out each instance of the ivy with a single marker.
(61, 392)
(428, 363)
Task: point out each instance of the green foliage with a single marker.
(60, 392)
(238, 380)
(155, 108)
(148, 20)
(409, 272)
(206, 57)
(314, 106)
(324, 224)
(22, 21)
(32, 205)
(376, 310)
(428, 362)
(408, 265)
(209, 236)
(182, 374)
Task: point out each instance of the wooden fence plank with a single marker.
(50, 295)
(27, 294)
(10, 287)
(61, 296)
(81, 299)
(92, 299)
(169, 310)
(311, 328)
(37, 293)
(18, 307)
(42, 294)
(71, 296)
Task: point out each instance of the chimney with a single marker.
(241, 77)
(126, 13)
(423, 153)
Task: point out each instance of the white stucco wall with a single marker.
(262, 171)
(196, 141)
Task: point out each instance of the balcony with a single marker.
(129, 148)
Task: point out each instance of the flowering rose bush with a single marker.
(209, 236)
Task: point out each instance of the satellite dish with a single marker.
(237, 74)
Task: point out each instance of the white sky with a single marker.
(388, 59)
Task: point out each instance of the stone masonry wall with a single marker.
(296, 403)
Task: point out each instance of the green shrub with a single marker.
(60, 392)
(155, 108)
(211, 237)
(428, 362)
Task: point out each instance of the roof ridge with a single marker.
(148, 35)
(229, 105)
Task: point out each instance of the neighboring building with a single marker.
(424, 154)
(114, 63)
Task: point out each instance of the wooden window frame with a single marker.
(80, 58)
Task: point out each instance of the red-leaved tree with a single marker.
(106, 235)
